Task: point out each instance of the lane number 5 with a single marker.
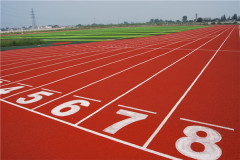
(35, 97)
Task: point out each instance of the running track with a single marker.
(172, 96)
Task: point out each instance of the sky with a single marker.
(18, 13)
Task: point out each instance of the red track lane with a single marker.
(213, 99)
(43, 70)
(29, 65)
(57, 64)
(81, 80)
(159, 95)
(29, 136)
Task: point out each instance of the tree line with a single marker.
(200, 19)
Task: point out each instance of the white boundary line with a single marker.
(14, 63)
(137, 109)
(183, 96)
(206, 50)
(94, 61)
(111, 56)
(5, 80)
(51, 90)
(20, 57)
(61, 62)
(140, 83)
(20, 60)
(82, 62)
(87, 98)
(33, 59)
(126, 69)
(95, 133)
(208, 124)
(148, 45)
(25, 84)
(69, 60)
(52, 59)
(94, 69)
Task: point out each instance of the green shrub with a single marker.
(20, 42)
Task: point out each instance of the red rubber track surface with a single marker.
(172, 83)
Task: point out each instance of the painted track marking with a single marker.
(183, 96)
(208, 124)
(144, 82)
(25, 84)
(95, 133)
(87, 98)
(91, 70)
(128, 69)
(137, 109)
(51, 90)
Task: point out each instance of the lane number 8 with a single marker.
(211, 151)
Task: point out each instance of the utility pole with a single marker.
(34, 24)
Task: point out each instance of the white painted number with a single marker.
(134, 117)
(72, 105)
(35, 97)
(8, 90)
(211, 151)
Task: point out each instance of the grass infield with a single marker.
(91, 35)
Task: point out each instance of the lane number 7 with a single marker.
(134, 117)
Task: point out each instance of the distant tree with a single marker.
(156, 20)
(229, 18)
(199, 19)
(223, 18)
(79, 25)
(184, 18)
(151, 21)
(234, 17)
(125, 22)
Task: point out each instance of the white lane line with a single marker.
(144, 81)
(5, 80)
(51, 90)
(138, 48)
(92, 70)
(25, 84)
(204, 50)
(112, 74)
(208, 124)
(33, 59)
(51, 60)
(74, 60)
(95, 69)
(114, 55)
(97, 60)
(78, 59)
(137, 109)
(20, 60)
(87, 98)
(29, 56)
(183, 96)
(94, 132)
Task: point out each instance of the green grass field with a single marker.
(95, 35)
